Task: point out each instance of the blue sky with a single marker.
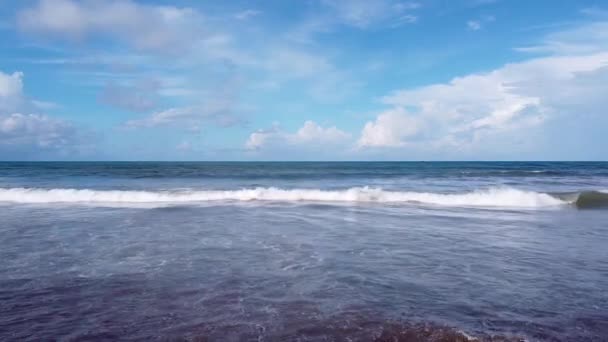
(303, 80)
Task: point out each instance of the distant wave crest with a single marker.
(493, 197)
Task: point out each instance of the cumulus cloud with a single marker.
(471, 103)
(391, 128)
(26, 134)
(309, 134)
(512, 109)
(146, 27)
(35, 130)
(500, 106)
(262, 137)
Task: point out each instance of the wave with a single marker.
(586, 199)
(493, 197)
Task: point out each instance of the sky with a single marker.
(303, 80)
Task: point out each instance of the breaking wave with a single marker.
(586, 199)
(493, 197)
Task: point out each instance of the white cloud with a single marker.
(310, 134)
(12, 97)
(261, 137)
(520, 108)
(11, 90)
(218, 107)
(585, 39)
(276, 61)
(510, 108)
(190, 118)
(35, 130)
(391, 128)
(363, 13)
(11, 85)
(474, 109)
(146, 27)
(216, 48)
(478, 24)
(247, 14)
(23, 134)
(473, 25)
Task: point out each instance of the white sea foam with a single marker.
(493, 197)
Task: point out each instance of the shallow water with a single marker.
(309, 254)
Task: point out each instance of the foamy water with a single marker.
(493, 197)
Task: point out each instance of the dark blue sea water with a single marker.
(303, 251)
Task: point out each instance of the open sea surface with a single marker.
(304, 251)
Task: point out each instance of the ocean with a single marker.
(304, 251)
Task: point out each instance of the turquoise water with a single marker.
(302, 251)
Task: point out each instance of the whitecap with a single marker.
(492, 197)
